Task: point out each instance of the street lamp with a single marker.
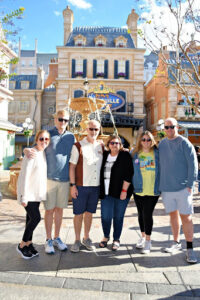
(28, 129)
(86, 86)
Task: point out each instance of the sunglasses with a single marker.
(115, 143)
(63, 120)
(43, 139)
(146, 140)
(171, 127)
(94, 129)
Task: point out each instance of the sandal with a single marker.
(103, 244)
(115, 245)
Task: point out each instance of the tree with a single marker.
(177, 25)
(7, 32)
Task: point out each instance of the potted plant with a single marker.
(100, 74)
(121, 75)
(79, 74)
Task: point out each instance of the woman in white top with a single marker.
(31, 190)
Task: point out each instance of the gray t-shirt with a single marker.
(178, 164)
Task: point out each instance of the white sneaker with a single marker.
(49, 248)
(59, 244)
(174, 248)
(147, 247)
(140, 244)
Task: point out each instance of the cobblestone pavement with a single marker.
(125, 274)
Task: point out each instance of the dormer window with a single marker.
(100, 41)
(25, 85)
(80, 40)
(120, 42)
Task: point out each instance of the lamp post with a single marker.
(28, 129)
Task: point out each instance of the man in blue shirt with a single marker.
(178, 172)
(57, 155)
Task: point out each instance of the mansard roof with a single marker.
(110, 33)
(27, 53)
(31, 78)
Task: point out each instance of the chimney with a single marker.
(68, 17)
(132, 25)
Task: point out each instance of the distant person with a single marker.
(197, 148)
(146, 186)
(178, 173)
(58, 154)
(115, 189)
(31, 190)
(85, 165)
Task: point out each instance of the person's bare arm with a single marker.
(74, 191)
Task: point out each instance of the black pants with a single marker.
(145, 207)
(32, 219)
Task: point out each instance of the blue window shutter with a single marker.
(115, 69)
(73, 68)
(127, 69)
(94, 68)
(78, 93)
(123, 94)
(106, 68)
(84, 68)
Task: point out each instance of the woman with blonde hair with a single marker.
(31, 190)
(145, 184)
(115, 189)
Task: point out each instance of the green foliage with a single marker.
(161, 134)
(14, 14)
(28, 132)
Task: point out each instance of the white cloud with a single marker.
(80, 4)
(57, 13)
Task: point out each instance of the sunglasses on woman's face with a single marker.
(114, 143)
(146, 140)
(42, 139)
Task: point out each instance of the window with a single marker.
(155, 113)
(100, 41)
(30, 63)
(11, 107)
(23, 106)
(121, 68)
(79, 67)
(24, 85)
(80, 40)
(186, 78)
(100, 68)
(120, 41)
(12, 85)
(51, 110)
(163, 110)
(23, 63)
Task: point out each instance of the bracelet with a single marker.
(125, 191)
(72, 184)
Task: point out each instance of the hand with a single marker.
(189, 190)
(74, 192)
(123, 195)
(24, 204)
(30, 152)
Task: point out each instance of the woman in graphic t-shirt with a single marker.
(115, 189)
(145, 185)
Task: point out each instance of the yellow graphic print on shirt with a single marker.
(147, 167)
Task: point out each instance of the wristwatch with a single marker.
(72, 184)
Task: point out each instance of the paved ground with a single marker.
(126, 274)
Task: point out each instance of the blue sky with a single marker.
(43, 18)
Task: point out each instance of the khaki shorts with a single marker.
(57, 194)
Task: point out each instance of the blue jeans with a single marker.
(113, 208)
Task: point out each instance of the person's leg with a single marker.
(140, 208)
(187, 226)
(32, 210)
(48, 221)
(87, 218)
(118, 218)
(107, 211)
(78, 219)
(58, 216)
(149, 204)
(175, 225)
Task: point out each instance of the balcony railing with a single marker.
(186, 112)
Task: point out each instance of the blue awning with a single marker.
(21, 139)
(189, 125)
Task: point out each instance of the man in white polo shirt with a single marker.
(84, 172)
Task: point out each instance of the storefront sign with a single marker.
(115, 101)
